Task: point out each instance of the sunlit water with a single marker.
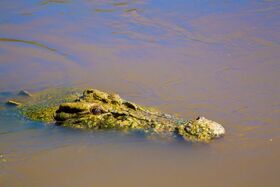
(219, 59)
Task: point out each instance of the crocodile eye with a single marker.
(130, 105)
(97, 111)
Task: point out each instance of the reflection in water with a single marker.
(189, 58)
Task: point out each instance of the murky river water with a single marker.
(219, 59)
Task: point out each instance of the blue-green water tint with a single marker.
(12, 121)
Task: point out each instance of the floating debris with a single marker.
(2, 158)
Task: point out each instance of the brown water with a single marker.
(219, 59)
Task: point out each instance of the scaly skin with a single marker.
(95, 109)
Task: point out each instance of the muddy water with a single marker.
(211, 58)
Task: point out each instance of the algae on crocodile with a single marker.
(94, 109)
(43, 105)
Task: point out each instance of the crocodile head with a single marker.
(100, 110)
(94, 109)
(202, 129)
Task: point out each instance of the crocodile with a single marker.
(95, 109)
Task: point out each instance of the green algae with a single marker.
(99, 110)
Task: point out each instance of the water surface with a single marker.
(189, 58)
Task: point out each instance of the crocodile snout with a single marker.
(215, 128)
